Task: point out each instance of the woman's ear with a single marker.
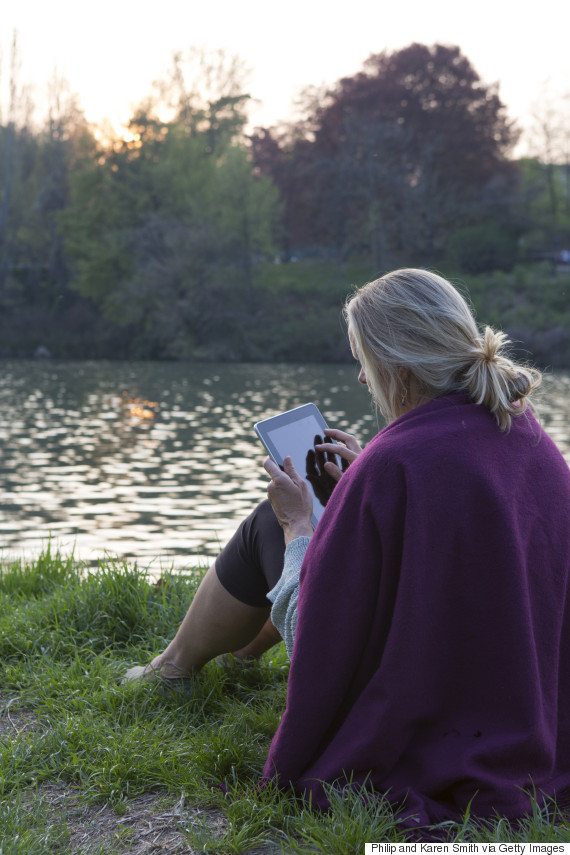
(404, 375)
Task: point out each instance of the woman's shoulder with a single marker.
(454, 434)
(445, 419)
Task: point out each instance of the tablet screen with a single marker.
(294, 434)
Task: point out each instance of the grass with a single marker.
(90, 766)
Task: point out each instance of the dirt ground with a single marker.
(148, 826)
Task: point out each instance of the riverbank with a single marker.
(90, 766)
(289, 313)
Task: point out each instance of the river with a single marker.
(158, 462)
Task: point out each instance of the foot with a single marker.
(169, 675)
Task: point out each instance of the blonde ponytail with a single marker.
(496, 381)
(415, 319)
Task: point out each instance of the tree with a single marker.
(204, 92)
(395, 157)
(36, 163)
(165, 229)
(546, 175)
(13, 139)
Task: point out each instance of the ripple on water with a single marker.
(159, 462)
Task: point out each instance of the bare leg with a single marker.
(267, 637)
(215, 623)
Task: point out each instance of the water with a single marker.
(158, 462)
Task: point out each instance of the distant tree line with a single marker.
(170, 241)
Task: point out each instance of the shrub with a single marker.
(480, 248)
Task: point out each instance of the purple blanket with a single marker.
(432, 653)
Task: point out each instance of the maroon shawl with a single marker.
(432, 650)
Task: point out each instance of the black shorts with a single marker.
(251, 563)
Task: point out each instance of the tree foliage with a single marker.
(165, 225)
(36, 162)
(394, 158)
(545, 177)
(161, 241)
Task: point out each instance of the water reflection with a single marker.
(158, 462)
(554, 410)
(146, 460)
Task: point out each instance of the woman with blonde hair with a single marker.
(427, 616)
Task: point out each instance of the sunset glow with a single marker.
(308, 44)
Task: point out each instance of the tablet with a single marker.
(294, 434)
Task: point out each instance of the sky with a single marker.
(111, 51)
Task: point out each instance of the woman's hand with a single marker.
(290, 498)
(320, 480)
(347, 449)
